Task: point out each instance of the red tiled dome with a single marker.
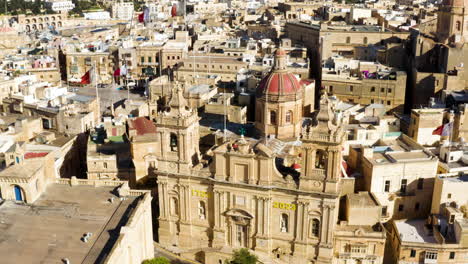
(279, 83)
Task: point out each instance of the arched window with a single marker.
(289, 115)
(284, 223)
(315, 229)
(458, 25)
(174, 206)
(320, 159)
(174, 142)
(365, 40)
(201, 210)
(348, 40)
(273, 117)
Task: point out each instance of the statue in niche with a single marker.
(284, 223)
(201, 211)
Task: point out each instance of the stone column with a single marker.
(219, 231)
(331, 223)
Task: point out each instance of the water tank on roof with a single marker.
(464, 158)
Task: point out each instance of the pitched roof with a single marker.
(143, 126)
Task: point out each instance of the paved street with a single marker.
(107, 94)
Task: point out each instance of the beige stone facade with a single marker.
(243, 200)
(42, 22)
(423, 123)
(360, 237)
(390, 92)
(100, 65)
(399, 173)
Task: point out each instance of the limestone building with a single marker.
(399, 173)
(246, 192)
(442, 237)
(279, 104)
(243, 199)
(438, 54)
(360, 237)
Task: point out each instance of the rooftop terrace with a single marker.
(51, 229)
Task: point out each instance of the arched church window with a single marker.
(201, 210)
(320, 159)
(174, 206)
(289, 116)
(458, 25)
(284, 223)
(174, 142)
(315, 229)
(273, 117)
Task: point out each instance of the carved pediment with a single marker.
(239, 216)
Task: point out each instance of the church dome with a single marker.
(279, 81)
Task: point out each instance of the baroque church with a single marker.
(438, 53)
(277, 194)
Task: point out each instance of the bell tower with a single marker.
(452, 22)
(177, 126)
(322, 143)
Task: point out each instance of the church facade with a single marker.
(283, 205)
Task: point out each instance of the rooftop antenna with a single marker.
(97, 93)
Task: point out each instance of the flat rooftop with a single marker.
(414, 231)
(51, 229)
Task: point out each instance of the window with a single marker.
(431, 255)
(284, 223)
(330, 89)
(449, 196)
(351, 88)
(372, 89)
(289, 116)
(389, 102)
(389, 90)
(458, 25)
(384, 210)
(452, 255)
(416, 207)
(387, 186)
(348, 40)
(420, 183)
(382, 90)
(105, 165)
(371, 101)
(358, 249)
(273, 117)
(413, 253)
(315, 227)
(365, 40)
(404, 183)
(150, 59)
(142, 59)
(320, 159)
(173, 142)
(400, 208)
